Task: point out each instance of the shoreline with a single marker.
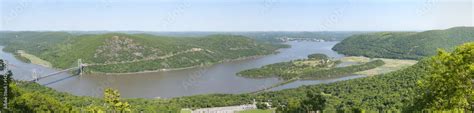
(184, 68)
(32, 59)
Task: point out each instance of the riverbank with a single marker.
(33, 59)
(184, 68)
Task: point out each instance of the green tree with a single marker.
(291, 106)
(37, 102)
(315, 101)
(318, 56)
(94, 109)
(5, 81)
(112, 99)
(2, 65)
(449, 83)
(262, 105)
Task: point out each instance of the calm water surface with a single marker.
(219, 78)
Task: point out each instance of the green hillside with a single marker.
(404, 45)
(119, 53)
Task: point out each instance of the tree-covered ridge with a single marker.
(404, 45)
(264, 36)
(117, 52)
(286, 36)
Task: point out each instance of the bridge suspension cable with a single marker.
(79, 68)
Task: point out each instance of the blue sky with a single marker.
(235, 15)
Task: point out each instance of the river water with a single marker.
(218, 78)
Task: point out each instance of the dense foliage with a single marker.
(112, 99)
(440, 83)
(405, 45)
(318, 56)
(5, 80)
(119, 53)
(450, 84)
(47, 97)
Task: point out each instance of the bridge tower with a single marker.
(34, 75)
(80, 66)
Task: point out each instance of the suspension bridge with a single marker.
(79, 68)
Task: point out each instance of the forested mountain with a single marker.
(118, 52)
(404, 45)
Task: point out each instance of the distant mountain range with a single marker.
(268, 36)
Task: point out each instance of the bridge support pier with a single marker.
(81, 66)
(34, 75)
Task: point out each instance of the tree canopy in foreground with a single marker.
(450, 81)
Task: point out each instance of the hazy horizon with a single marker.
(235, 15)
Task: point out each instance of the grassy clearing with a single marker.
(389, 66)
(258, 111)
(33, 59)
(356, 59)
